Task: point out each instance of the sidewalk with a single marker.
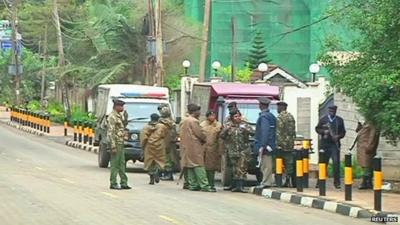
(361, 206)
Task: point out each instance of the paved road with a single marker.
(46, 183)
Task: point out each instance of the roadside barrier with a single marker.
(279, 168)
(322, 173)
(378, 180)
(306, 161)
(299, 170)
(75, 131)
(348, 177)
(38, 122)
(65, 126)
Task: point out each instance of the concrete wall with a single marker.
(303, 109)
(390, 154)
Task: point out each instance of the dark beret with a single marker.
(193, 108)
(232, 104)
(282, 103)
(334, 107)
(264, 100)
(118, 102)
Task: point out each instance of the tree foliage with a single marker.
(258, 52)
(371, 75)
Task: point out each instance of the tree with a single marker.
(371, 75)
(258, 52)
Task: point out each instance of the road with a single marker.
(46, 183)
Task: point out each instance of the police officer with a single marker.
(286, 134)
(237, 147)
(117, 121)
(170, 141)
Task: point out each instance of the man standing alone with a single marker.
(117, 121)
(192, 141)
(286, 134)
(265, 141)
(331, 128)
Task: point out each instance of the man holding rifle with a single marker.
(331, 129)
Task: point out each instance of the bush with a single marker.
(357, 170)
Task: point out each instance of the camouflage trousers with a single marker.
(170, 161)
(154, 168)
(238, 165)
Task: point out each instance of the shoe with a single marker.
(168, 176)
(208, 190)
(214, 189)
(239, 186)
(227, 188)
(115, 187)
(363, 185)
(185, 187)
(194, 189)
(151, 180)
(337, 186)
(317, 185)
(157, 178)
(125, 187)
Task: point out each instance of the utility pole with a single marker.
(149, 78)
(44, 65)
(61, 60)
(15, 59)
(204, 46)
(159, 45)
(234, 49)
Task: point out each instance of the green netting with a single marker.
(294, 50)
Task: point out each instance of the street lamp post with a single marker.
(216, 65)
(314, 69)
(186, 65)
(262, 67)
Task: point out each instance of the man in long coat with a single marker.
(367, 143)
(212, 129)
(152, 141)
(192, 141)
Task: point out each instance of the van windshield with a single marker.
(251, 111)
(140, 111)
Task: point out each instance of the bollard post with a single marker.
(48, 123)
(322, 173)
(23, 117)
(75, 131)
(91, 134)
(41, 122)
(348, 177)
(378, 180)
(306, 167)
(85, 133)
(29, 118)
(80, 131)
(65, 127)
(279, 168)
(299, 171)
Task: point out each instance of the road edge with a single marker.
(319, 203)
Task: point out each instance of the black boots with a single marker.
(289, 182)
(239, 186)
(151, 179)
(366, 183)
(167, 176)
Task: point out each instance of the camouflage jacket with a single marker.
(116, 128)
(286, 131)
(236, 138)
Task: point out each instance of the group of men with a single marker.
(203, 144)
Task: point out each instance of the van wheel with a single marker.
(103, 156)
(226, 172)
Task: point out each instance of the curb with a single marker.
(24, 128)
(320, 203)
(89, 148)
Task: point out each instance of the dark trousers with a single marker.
(332, 151)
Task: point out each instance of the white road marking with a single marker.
(68, 181)
(169, 219)
(39, 168)
(109, 194)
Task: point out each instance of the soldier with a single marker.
(286, 134)
(117, 121)
(237, 147)
(170, 141)
(331, 128)
(212, 129)
(153, 143)
(192, 140)
(367, 143)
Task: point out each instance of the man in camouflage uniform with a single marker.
(170, 141)
(286, 134)
(117, 122)
(237, 147)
